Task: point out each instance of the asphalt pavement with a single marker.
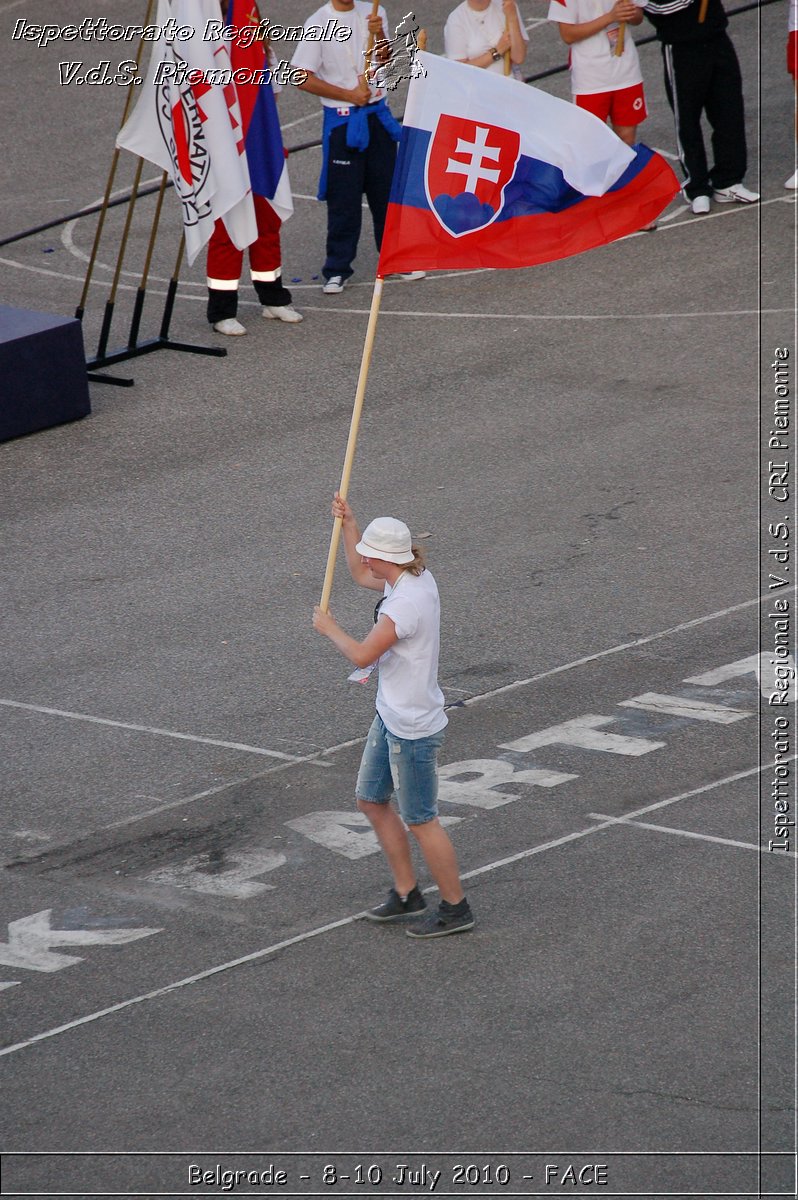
(187, 987)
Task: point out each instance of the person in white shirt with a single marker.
(481, 32)
(359, 133)
(401, 752)
(608, 84)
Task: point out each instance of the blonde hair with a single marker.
(417, 565)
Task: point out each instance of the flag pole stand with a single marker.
(134, 348)
(365, 363)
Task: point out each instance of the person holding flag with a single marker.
(485, 33)
(401, 752)
(359, 134)
(605, 71)
(702, 77)
(271, 190)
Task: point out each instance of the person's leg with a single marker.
(627, 111)
(414, 769)
(393, 839)
(345, 177)
(726, 116)
(380, 161)
(265, 258)
(627, 133)
(223, 273)
(440, 857)
(373, 791)
(686, 78)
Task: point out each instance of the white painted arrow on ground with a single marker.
(30, 939)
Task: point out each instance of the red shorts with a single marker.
(792, 53)
(627, 106)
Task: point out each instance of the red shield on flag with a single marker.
(469, 164)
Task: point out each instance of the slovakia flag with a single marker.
(261, 125)
(493, 173)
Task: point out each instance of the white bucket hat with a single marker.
(387, 539)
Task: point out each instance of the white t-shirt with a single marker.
(594, 66)
(792, 19)
(339, 63)
(408, 697)
(468, 33)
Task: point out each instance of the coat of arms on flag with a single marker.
(468, 168)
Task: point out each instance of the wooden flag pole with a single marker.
(365, 363)
(421, 40)
(702, 12)
(375, 4)
(79, 311)
(620, 39)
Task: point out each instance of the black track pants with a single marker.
(705, 77)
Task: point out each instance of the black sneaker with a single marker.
(449, 918)
(395, 907)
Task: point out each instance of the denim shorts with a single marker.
(404, 767)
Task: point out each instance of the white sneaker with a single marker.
(230, 327)
(736, 194)
(282, 312)
(700, 205)
(410, 276)
(334, 285)
(792, 182)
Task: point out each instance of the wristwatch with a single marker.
(494, 53)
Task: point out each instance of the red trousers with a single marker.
(225, 262)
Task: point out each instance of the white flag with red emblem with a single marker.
(190, 126)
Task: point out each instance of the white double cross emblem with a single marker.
(479, 152)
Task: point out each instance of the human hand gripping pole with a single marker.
(372, 38)
(365, 363)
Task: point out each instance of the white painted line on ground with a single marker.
(743, 666)
(681, 211)
(586, 733)
(258, 955)
(773, 676)
(311, 116)
(679, 706)
(154, 731)
(351, 742)
(13, 4)
(643, 641)
(486, 316)
(610, 821)
(687, 833)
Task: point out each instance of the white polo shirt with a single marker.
(339, 63)
(468, 33)
(594, 65)
(409, 699)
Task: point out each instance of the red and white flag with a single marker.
(190, 126)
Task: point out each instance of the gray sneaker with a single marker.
(395, 908)
(449, 918)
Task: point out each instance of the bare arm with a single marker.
(351, 533)
(622, 10)
(361, 654)
(517, 39)
(328, 91)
